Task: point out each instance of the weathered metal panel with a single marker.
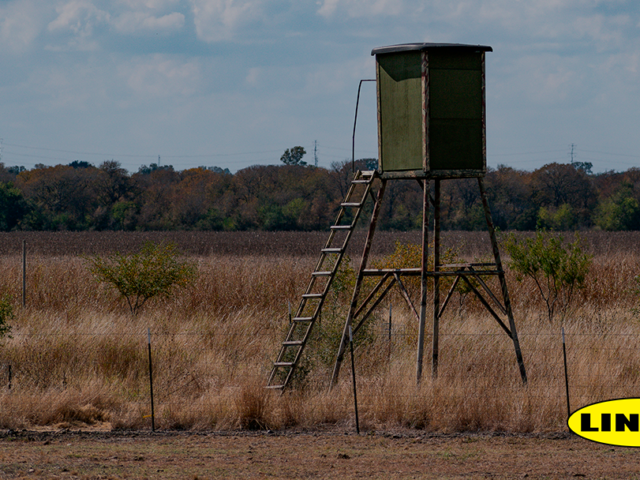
(400, 81)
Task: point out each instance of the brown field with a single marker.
(79, 360)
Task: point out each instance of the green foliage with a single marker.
(6, 314)
(619, 212)
(13, 207)
(410, 256)
(293, 156)
(152, 272)
(561, 218)
(122, 213)
(557, 269)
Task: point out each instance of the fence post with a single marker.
(353, 375)
(566, 374)
(153, 424)
(24, 273)
(389, 355)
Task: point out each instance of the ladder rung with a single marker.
(292, 343)
(275, 386)
(312, 295)
(360, 181)
(303, 319)
(351, 204)
(283, 364)
(341, 227)
(321, 274)
(331, 250)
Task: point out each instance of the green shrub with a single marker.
(557, 269)
(154, 271)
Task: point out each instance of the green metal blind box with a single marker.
(431, 110)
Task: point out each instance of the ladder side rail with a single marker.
(360, 277)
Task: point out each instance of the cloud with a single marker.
(20, 25)
(148, 4)
(133, 22)
(361, 8)
(161, 76)
(78, 16)
(604, 30)
(218, 20)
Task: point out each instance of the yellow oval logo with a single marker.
(613, 422)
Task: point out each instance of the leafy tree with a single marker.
(13, 206)
(293, 156)
(558, 270)
(80, 164)
(144, 170)
(154, 271)
(561, 218)
(621, 211)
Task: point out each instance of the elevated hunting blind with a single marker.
(431, 110)
(431, 127)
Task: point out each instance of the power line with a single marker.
(524, 153)
(612, 154)
(137, 155)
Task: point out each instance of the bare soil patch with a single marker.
(308, 455)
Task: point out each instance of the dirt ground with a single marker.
(96, 455)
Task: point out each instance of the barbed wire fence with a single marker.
(610, 370)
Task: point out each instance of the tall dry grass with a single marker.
(78, 358)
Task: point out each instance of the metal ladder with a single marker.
(313, 298)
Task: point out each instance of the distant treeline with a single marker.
(80, 196)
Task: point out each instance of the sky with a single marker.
(233, 83)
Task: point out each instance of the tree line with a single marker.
(295, 196)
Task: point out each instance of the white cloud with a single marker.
(218, 20)
(132, 22)
(361, 8)
(253, 76)
(604, 30)
(161, 76)
(19, 26)
(78, 16)
(149, 4)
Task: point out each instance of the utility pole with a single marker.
(315, 152)
(573, 146)
(159, 160)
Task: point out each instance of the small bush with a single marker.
(154, 271)
(558, 270)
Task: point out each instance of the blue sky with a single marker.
(233, 83)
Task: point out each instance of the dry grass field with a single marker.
(78, 359)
